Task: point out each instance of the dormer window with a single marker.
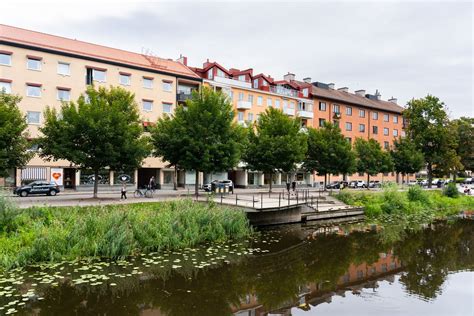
(242, 78)
(220, 73)
(305, 92)
(264, 83)
(210, 74)
(255, 83)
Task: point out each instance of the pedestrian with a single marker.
(152, 183)
(293, 185)
(123, 190)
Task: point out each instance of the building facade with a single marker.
(45, 70)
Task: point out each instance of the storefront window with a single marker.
(167, 177)
(129, 176)
(87, 177)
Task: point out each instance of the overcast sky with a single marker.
(404, 49)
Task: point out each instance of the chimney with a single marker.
(343, 89)
(360, 92)
(377, 94)
(289, 77)
(182, 59)
(307, 79)
(204, 65)
(393, 100)
(331, 86)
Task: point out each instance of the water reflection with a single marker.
(290, 267)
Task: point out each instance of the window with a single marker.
(255, 83)
(375, 130)
(124, 79)
(250, 117)
(335, 108)
(361, 128)
(259, 101)
(242, 78)
(375, 115)
(349, 111)
(231, 94)
(386, 145)
(33, 63)
(64, 69)
(269, 102)
(336, 123)
(5, 58)
(98, 75)
(386, 118)
(33, 90)
(250, 98)
(147, 82)
(292, 105)
(322, 106)
(220, 73)
(285, 104)
(258, 117)
(6, 85)
(64, 94)
(277, 103)
(210, 73)
(361, 113)
(167, 85)
(349, 140)
(395, 132)
(395, 119)
(33, 117)
(305, 92)
(241, 96)
(348, 126)
(167, 107)
(385, 131)
(240, 116)
(321, 122)
(147, 105)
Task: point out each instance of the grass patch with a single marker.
(406, 208)
(53, 234)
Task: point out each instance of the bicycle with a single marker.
(144, 192)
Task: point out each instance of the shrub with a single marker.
(451, 190)
(416, 193)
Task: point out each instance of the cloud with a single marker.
(403, 49)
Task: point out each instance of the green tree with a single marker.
(328, 152)
(464, 127)
(386, 163)
(101, 131)
(369, 157)
(206, 137)
(428, 127)
(13, 141)
(275, 144)
(406, 157)
(167, 140)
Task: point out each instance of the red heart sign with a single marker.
(56, 175)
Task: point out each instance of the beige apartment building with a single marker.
(46, 70)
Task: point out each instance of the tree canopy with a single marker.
(464, 128)
(428, 127)
(102, 129)
(201, 136)
(406, 157)
(370, 158)
(328, 151)
(275, 144)
(13, 136)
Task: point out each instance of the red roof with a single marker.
(61, 44)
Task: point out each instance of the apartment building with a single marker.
(46, 70)
(251, 95)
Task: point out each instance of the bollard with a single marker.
(236, 199)
(221, 199)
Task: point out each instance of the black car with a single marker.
(37, 187)
(334, 185)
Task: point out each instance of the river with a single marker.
(287, 270)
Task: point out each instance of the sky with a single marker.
(404, 49)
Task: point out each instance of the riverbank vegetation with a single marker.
(415, 206)
(53, 234)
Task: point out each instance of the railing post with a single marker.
(221, 199)
(279, 200)
(236, 199)
(261, 200)
(297, 197)
(253, 200)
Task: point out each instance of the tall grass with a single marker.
(415, 206)
(49, 234)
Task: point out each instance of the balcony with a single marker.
(306, 114)
(284, 91)
(244, 105)
(182, 97)
(289, 111)
(233, 82)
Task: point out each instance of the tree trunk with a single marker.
(368, 180)
(196, 184)
(430, 174)
(325, 181)
(271, 180)
(175, 179)
(96, 182)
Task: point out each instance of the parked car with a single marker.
(228, 183)
(375, 184)
(208, 186)
(468, 181)
(334, 185)
(37, 187)
(412, 182)
(361, 184)
(353, 184)
(423, 182)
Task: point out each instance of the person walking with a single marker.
(152, 183)
(123, 190)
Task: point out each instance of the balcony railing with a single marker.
(234, 82)
(289, 111)
(182, 97)
(244, 105)
(306, 114)
(284, 91)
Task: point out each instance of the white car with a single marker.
(412, 183)
(361, 184)
(424, 183)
